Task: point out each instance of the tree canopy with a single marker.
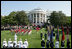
(15, 18)
(58, 18)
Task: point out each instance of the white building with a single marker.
(38, 16)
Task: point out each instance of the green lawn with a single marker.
(33, 39)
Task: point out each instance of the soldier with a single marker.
(45, 36)
(57, 44)
(26, 43)
(15, 43)
(41, 35)
(51, 44)
(43, 43)
(68, 43)
(4, 43)
(24, 46)
(10, 44)
(20, 43)
(53, 36)
(62, 44)
(47, 44)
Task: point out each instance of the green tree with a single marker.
(21, 18)
(57, 18)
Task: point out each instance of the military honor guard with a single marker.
(10, 43)
(45, 36)
(20, 43)
(4, 43)
(43, 43)
(51, 44)
(26, 43)
(57, 38)
(15, 43)
(41, 34)
(47, 44)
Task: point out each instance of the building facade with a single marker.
(38, 16)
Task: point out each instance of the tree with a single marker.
(15, 18)
(57, 18)
(21, 18)
(68, 22)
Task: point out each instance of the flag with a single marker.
(51, 35)
(67, 32)
(57, 35)
(63, 36)
(48, 30)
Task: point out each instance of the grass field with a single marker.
(33, 39)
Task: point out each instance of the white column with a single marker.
(39, 18)
(45, 17)
(42, 18)
(33, 18)
(30, 18)
(36, 18)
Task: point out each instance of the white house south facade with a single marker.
(38, 16)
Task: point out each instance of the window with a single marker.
(41, 15)
(37, 22)
(34, 15)
(37, 14)
(34, 20)
(37, 17)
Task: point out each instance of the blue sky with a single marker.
(9, 6)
